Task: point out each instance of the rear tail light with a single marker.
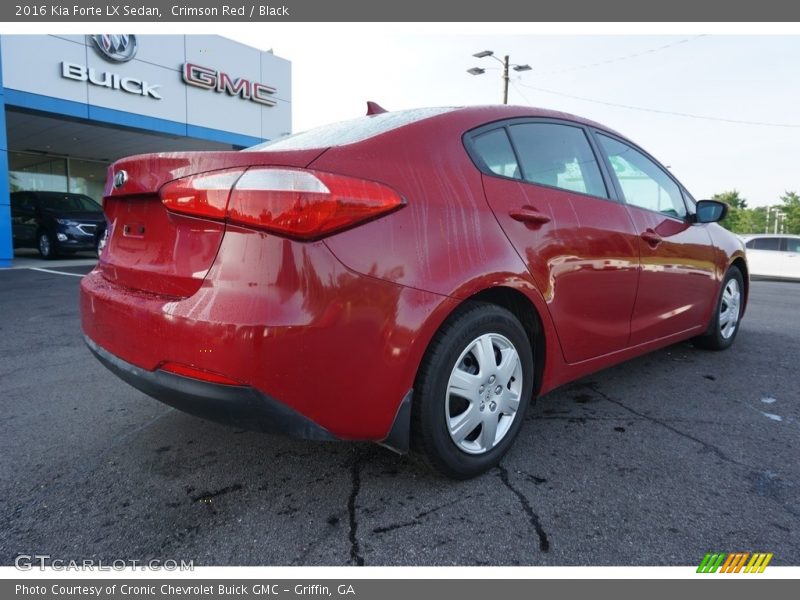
(204, 195)
(295, 203)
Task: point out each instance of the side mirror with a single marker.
(710, 211)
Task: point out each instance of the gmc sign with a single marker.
(211, 79)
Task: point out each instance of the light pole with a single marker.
(506, 64)
(778, 221)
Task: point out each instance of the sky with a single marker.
(752, 78)
(725, 72)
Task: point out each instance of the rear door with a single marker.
(763, 256)
(546, 188)
(23, 218)
(677, 285)
(790, 258)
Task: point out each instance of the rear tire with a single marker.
(472, 390)
(727, 314)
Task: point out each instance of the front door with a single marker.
(677, 285)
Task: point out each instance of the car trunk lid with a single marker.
(152, 249)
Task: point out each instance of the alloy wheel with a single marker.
(483, 393)
(44, 245)
(729, 309)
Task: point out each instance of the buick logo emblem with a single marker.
(115, 48)
(120, 177)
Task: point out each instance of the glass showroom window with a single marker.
(87, 177)
(36, 172)
(39, 172)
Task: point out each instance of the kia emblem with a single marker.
(120, 177)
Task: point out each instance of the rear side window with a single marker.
(494, 149)
(765, 243)
(559, 156)
(22, 201)
(792, 245)
(350, 132)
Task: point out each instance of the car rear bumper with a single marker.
(285, 319)
(241, 406)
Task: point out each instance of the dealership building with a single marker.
(72, 104)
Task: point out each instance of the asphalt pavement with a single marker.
(653, 462)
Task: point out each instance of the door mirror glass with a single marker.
(710, 211)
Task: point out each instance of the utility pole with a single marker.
(505, 79)
(506, 62)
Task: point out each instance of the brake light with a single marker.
(296, 203)
(204, 195)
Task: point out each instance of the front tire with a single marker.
(727, 313)
(46, 246)
(472, 389)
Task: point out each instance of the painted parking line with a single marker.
(56, 272)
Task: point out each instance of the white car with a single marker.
(773, 255)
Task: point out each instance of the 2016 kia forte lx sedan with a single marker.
(413, 276)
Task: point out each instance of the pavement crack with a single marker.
(394, 526)
(708, 446)
(544, 543)
(355, 474)
(417, 518)
(206, 497)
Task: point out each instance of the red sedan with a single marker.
(414, 276)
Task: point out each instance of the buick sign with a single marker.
(115, 48)
(112, 81)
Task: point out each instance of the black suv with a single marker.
(56, 222)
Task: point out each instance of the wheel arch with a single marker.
(521, 306)
(740, 263)
(516, 295)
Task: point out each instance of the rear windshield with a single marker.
(351, 131)
(68, 202)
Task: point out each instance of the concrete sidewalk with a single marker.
(25, 258)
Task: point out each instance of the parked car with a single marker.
(416, 275)
(56, 222)
(773, 256)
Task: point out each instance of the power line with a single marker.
(520, 92)
(662, 112)
(622, 58)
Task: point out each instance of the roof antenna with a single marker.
(373, 108)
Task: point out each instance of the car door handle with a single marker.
(651, 237)
(528, 214)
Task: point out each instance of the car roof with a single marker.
(46, 193)
(752, 236)
(461, 119)
(471, 117)
(497, 112)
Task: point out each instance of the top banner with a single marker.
(463, 11)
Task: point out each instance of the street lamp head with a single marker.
(476, 71)
(483, 54)
(522, 67)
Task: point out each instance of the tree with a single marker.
(758, 219)
(791, 210)
(737, 220)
